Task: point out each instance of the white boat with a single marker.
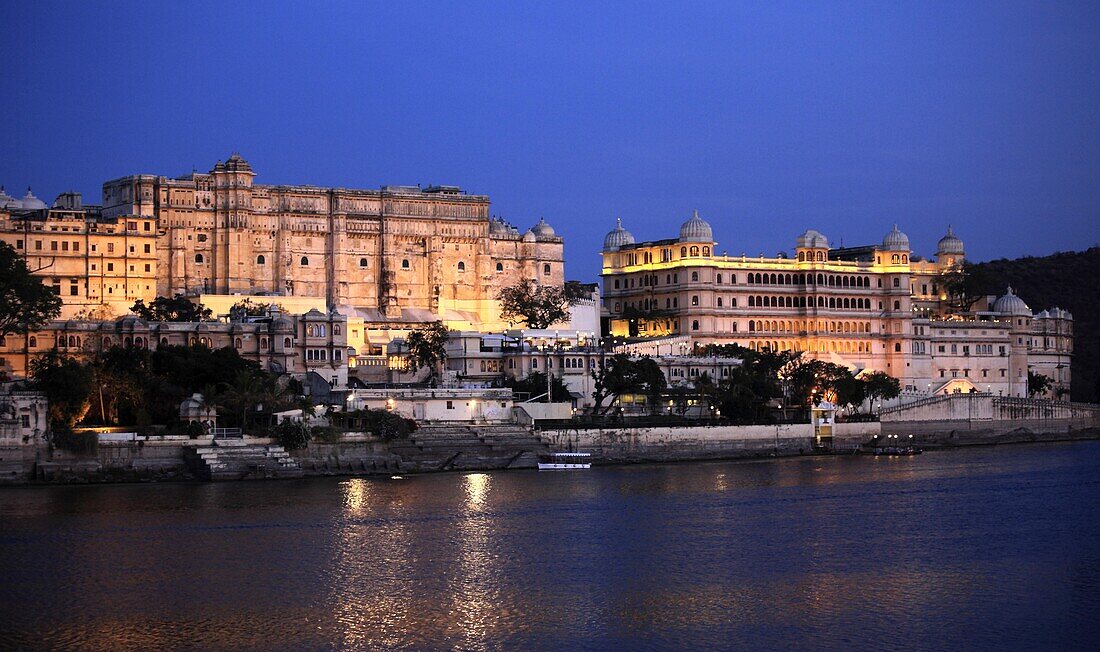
(565, 461)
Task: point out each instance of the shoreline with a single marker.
(89, 470)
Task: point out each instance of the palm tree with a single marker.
(246, 391)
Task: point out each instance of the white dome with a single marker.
(696, 230)
(30, 202)
(529, 236)
(617, 237)
(895, 240)
(1010, 304)
(812, 239)
(542, 229)
(9, 202)
(950, 244)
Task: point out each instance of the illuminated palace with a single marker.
(877, 307)
(399, 256)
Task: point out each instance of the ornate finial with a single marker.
(695, 214)
(950, 231)
(1010, 290)
(618, 223)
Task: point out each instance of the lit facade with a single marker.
(399, 254)
(875, 308)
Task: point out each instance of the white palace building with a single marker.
(877, 307)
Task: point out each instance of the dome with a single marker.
(498, 226)
(529, 236)
(543, 230)
(696, 230)
(950, 243)
(30, 202)
(1010, 304)
(895, 240)
(617, 237)
(1045, 314)
(812, 239)
(7, 201)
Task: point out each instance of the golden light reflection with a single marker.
(357, 494)
(476, 593)
(477, 488)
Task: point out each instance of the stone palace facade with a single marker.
(398, 255)
(877, 307)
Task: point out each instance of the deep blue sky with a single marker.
(768, 117)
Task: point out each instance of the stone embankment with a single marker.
(956, 420)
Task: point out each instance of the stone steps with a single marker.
(239, 460)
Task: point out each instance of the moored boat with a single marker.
(565, 461)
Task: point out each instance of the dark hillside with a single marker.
(1068, 280)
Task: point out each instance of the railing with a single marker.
(226, 432)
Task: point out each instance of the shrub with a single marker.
(292, 435)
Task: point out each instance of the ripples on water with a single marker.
(983, 548)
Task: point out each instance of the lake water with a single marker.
(986, 548)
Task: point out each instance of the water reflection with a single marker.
(985, 548)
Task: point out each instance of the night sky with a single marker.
(768, 117)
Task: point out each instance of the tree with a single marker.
(536, 306)
(620, 375)
(67, 385)
(807, 378)
(248, 308)
(244, 394)
(881, 386)
(851, 392)
(177, 308)
(292, 434)
(25, 303)
(1038, 384)
(964, 284)
(427, 348)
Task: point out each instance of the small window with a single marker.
(546, 270)
(405, 264)
(695, 325)
(260, 260)
(461, 266)
(362, 262)
(500, 267)
(202, 237)
(305, 261)
(198, 258)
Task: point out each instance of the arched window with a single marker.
(405, 264)
(164, 341)
(752, 301)
(801, 256)
(362, 262)
(718, 279)
(461, 266)
(695, 324)
(719, 302)
(237, 343)
(33, 342)
(897, 305)
(198, 258)
(820, 256)
(683, 252)
(286, 342)
(706, 251)
(336, 329)
(897, 282)
(695, 276)
(260, 260)
(304, 261)
(500, 267)
(263, 343)
(106, 342)
(546, 270)
(695, 299)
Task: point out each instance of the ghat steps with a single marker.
(457, 448)
(235, 459)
